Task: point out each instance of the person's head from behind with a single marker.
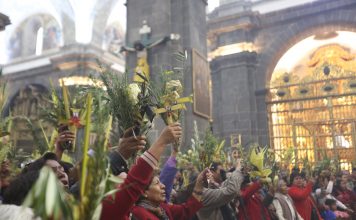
(19, 187)
(282, 187)
(155, 192)
(50, 159)
(246, 181)
(218, 172)
(331, 204)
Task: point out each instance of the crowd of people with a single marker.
(215, 193)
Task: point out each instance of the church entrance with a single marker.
(312, 108)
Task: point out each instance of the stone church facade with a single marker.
(241, 79)
(29, 74)
(246, 40)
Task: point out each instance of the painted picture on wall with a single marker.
(201, 85)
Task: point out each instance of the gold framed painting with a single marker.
(201, 85)
(235, 140)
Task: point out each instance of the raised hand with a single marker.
(170, 134)
(238, 165)
(64, 138)
(129, 144)
(64, 141)
(199, 184)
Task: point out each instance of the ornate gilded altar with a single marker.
(313, 109)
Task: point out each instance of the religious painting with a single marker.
(52, 35)
(201, 85)
(113, 38)
(15, 44)
(235, 140)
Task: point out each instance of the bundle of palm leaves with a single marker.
(130, 103)
(63, 105)
(65, 109)
(5, 124)
(257, 160)
(327, 163)
(96, 180)
(204, 151)
(212, 149)
(3, 101)
(168, 92)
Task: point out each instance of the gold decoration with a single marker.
(334, 54)
(142, 68)
(338, 60)
(283, 79)
(319, 112)
(303, 90)
(235, 140)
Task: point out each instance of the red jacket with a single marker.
(303, 201)
(177, 212)
(345, 196)
(252, 206)
(137, 179)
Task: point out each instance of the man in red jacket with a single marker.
(300, 192)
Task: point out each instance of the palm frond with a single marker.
(48, 199)
(96, 183)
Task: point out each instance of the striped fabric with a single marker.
(150, 159)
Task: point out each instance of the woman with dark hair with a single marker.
(139, 177)
(301, 195)
(49, 159)
(152, 206)
(16, 193)
(345, 196)
(251, 204)
(22, 184)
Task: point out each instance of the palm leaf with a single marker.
(46, 197)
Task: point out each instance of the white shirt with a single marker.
(328, 195)
(279, 209)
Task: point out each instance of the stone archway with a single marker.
(291, 33)
(280, 38)
(23, 40)
(66, 13)
(100, 20)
